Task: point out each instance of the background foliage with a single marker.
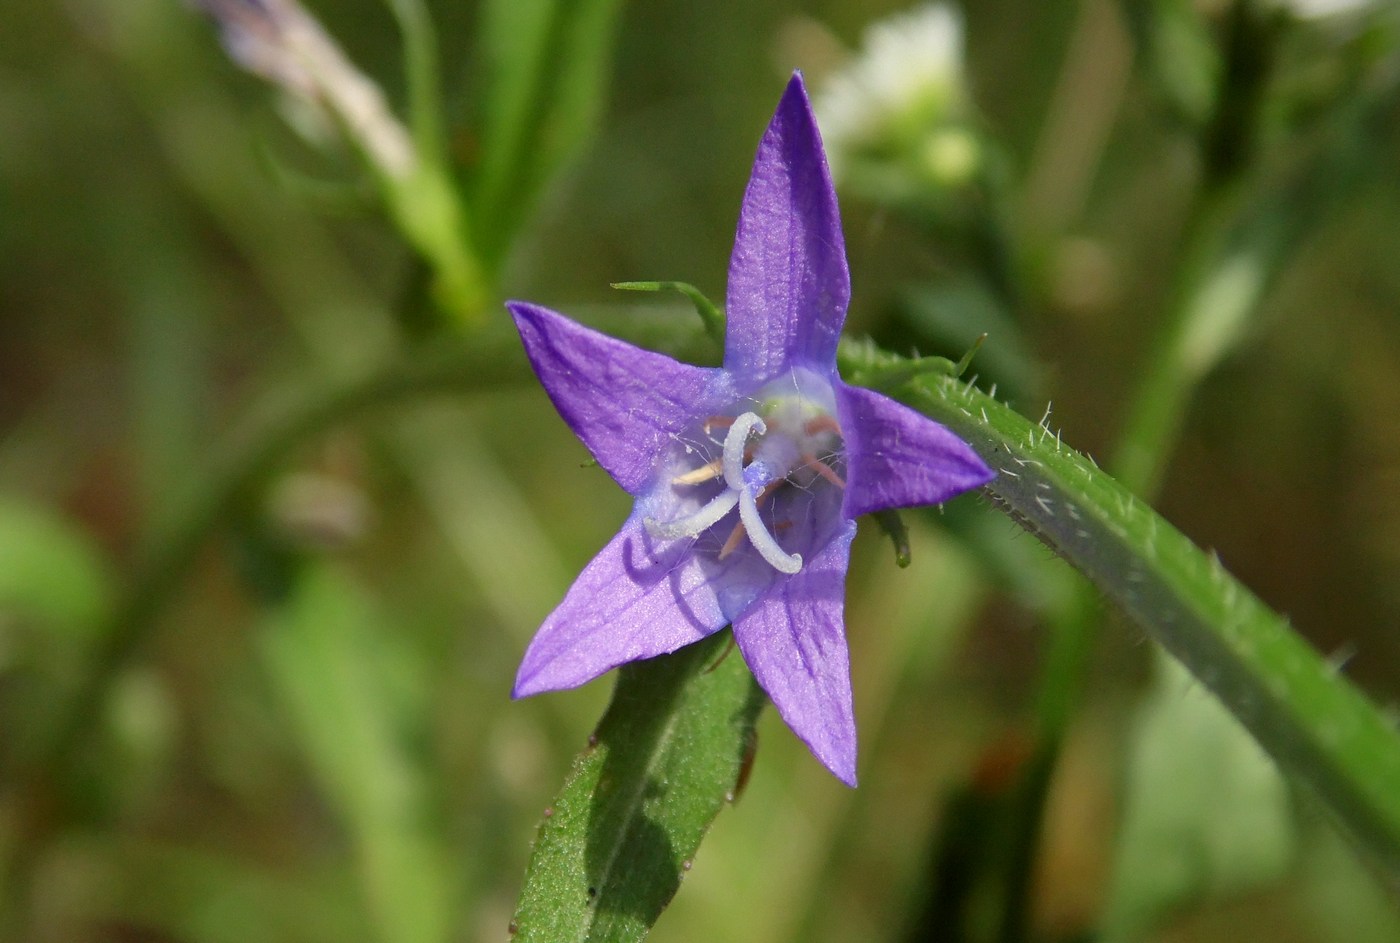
(313, 739)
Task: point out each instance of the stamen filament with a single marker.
(823, 423)
(732, 542)
(823, 469)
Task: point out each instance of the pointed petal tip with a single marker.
(837, 754)
(793, 640)
(796, 99)
(898, 457)
(789, 283)
(528, 682)
(624, 402)
(796, 85)
(523, 310)
(843, 768)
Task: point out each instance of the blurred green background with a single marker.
(315, 741)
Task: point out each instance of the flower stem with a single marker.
(1315, 724)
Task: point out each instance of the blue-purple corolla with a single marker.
(747, 477)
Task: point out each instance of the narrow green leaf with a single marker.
(670, 751)
(965, 361)
(1315, 724)
(421, 72)
(547, 64)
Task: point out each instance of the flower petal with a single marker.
(794, 641)
(639, 597)
(788, 280)
(896, 457)
(624, 402)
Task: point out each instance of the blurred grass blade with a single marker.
(1178, 55)
(547, 63)
(1206, 814)
(51, 570)
(335, 671)
(670, 751)
(1312, 721)
(421, 72)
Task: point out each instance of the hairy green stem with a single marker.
(1315, 724)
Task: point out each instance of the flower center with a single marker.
(794, 441)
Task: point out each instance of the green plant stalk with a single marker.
(427, 208)
(1156, 411)
(1231, 253)
(421, 73)
(426, 204)
(1314, 723)
(1236, 243)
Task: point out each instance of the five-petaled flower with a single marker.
(748, 477)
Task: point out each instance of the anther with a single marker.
(732, 542)
(700, 475)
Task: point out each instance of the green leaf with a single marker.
(1179, 55)
(1316, 725)
(670, 751)
(547, 63)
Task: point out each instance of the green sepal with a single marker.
(883, 371)
(893, 525)
(710, 313)
(961, 366)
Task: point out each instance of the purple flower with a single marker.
(747, 478)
